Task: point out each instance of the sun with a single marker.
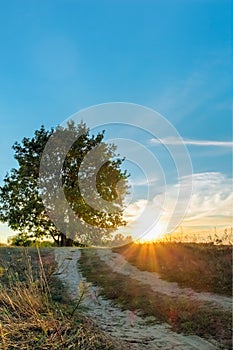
(154, 233)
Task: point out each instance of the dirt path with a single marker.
(135, 332)
(119, 264)
(67, 271)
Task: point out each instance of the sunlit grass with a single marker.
(31, 317)
(203, 267)
(182, 314)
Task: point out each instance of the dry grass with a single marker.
(202, 267)
(30, 318)
(187, 316)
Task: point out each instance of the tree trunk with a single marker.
(56, 240)
(66, 242)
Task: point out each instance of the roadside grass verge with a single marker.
(204, 267)
(35, 312)
(183, 315)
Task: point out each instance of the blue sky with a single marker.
(173, 56)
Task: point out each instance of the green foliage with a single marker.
(21, 204)
(21, 240)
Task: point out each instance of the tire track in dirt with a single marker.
(127, 327)
(119, 264)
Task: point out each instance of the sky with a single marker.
(172, 56)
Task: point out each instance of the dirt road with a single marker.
(134, 331)
(119, 264)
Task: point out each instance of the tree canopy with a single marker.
(92, 182)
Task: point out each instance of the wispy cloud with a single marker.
(191, 142)
(145, 181)
(212, 197)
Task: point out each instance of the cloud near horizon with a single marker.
(210, 205)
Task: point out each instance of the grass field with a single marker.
(186, 316)
(203, 267)
(34, 309)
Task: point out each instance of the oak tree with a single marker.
(92, 181)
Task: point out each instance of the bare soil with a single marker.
(131, 330)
